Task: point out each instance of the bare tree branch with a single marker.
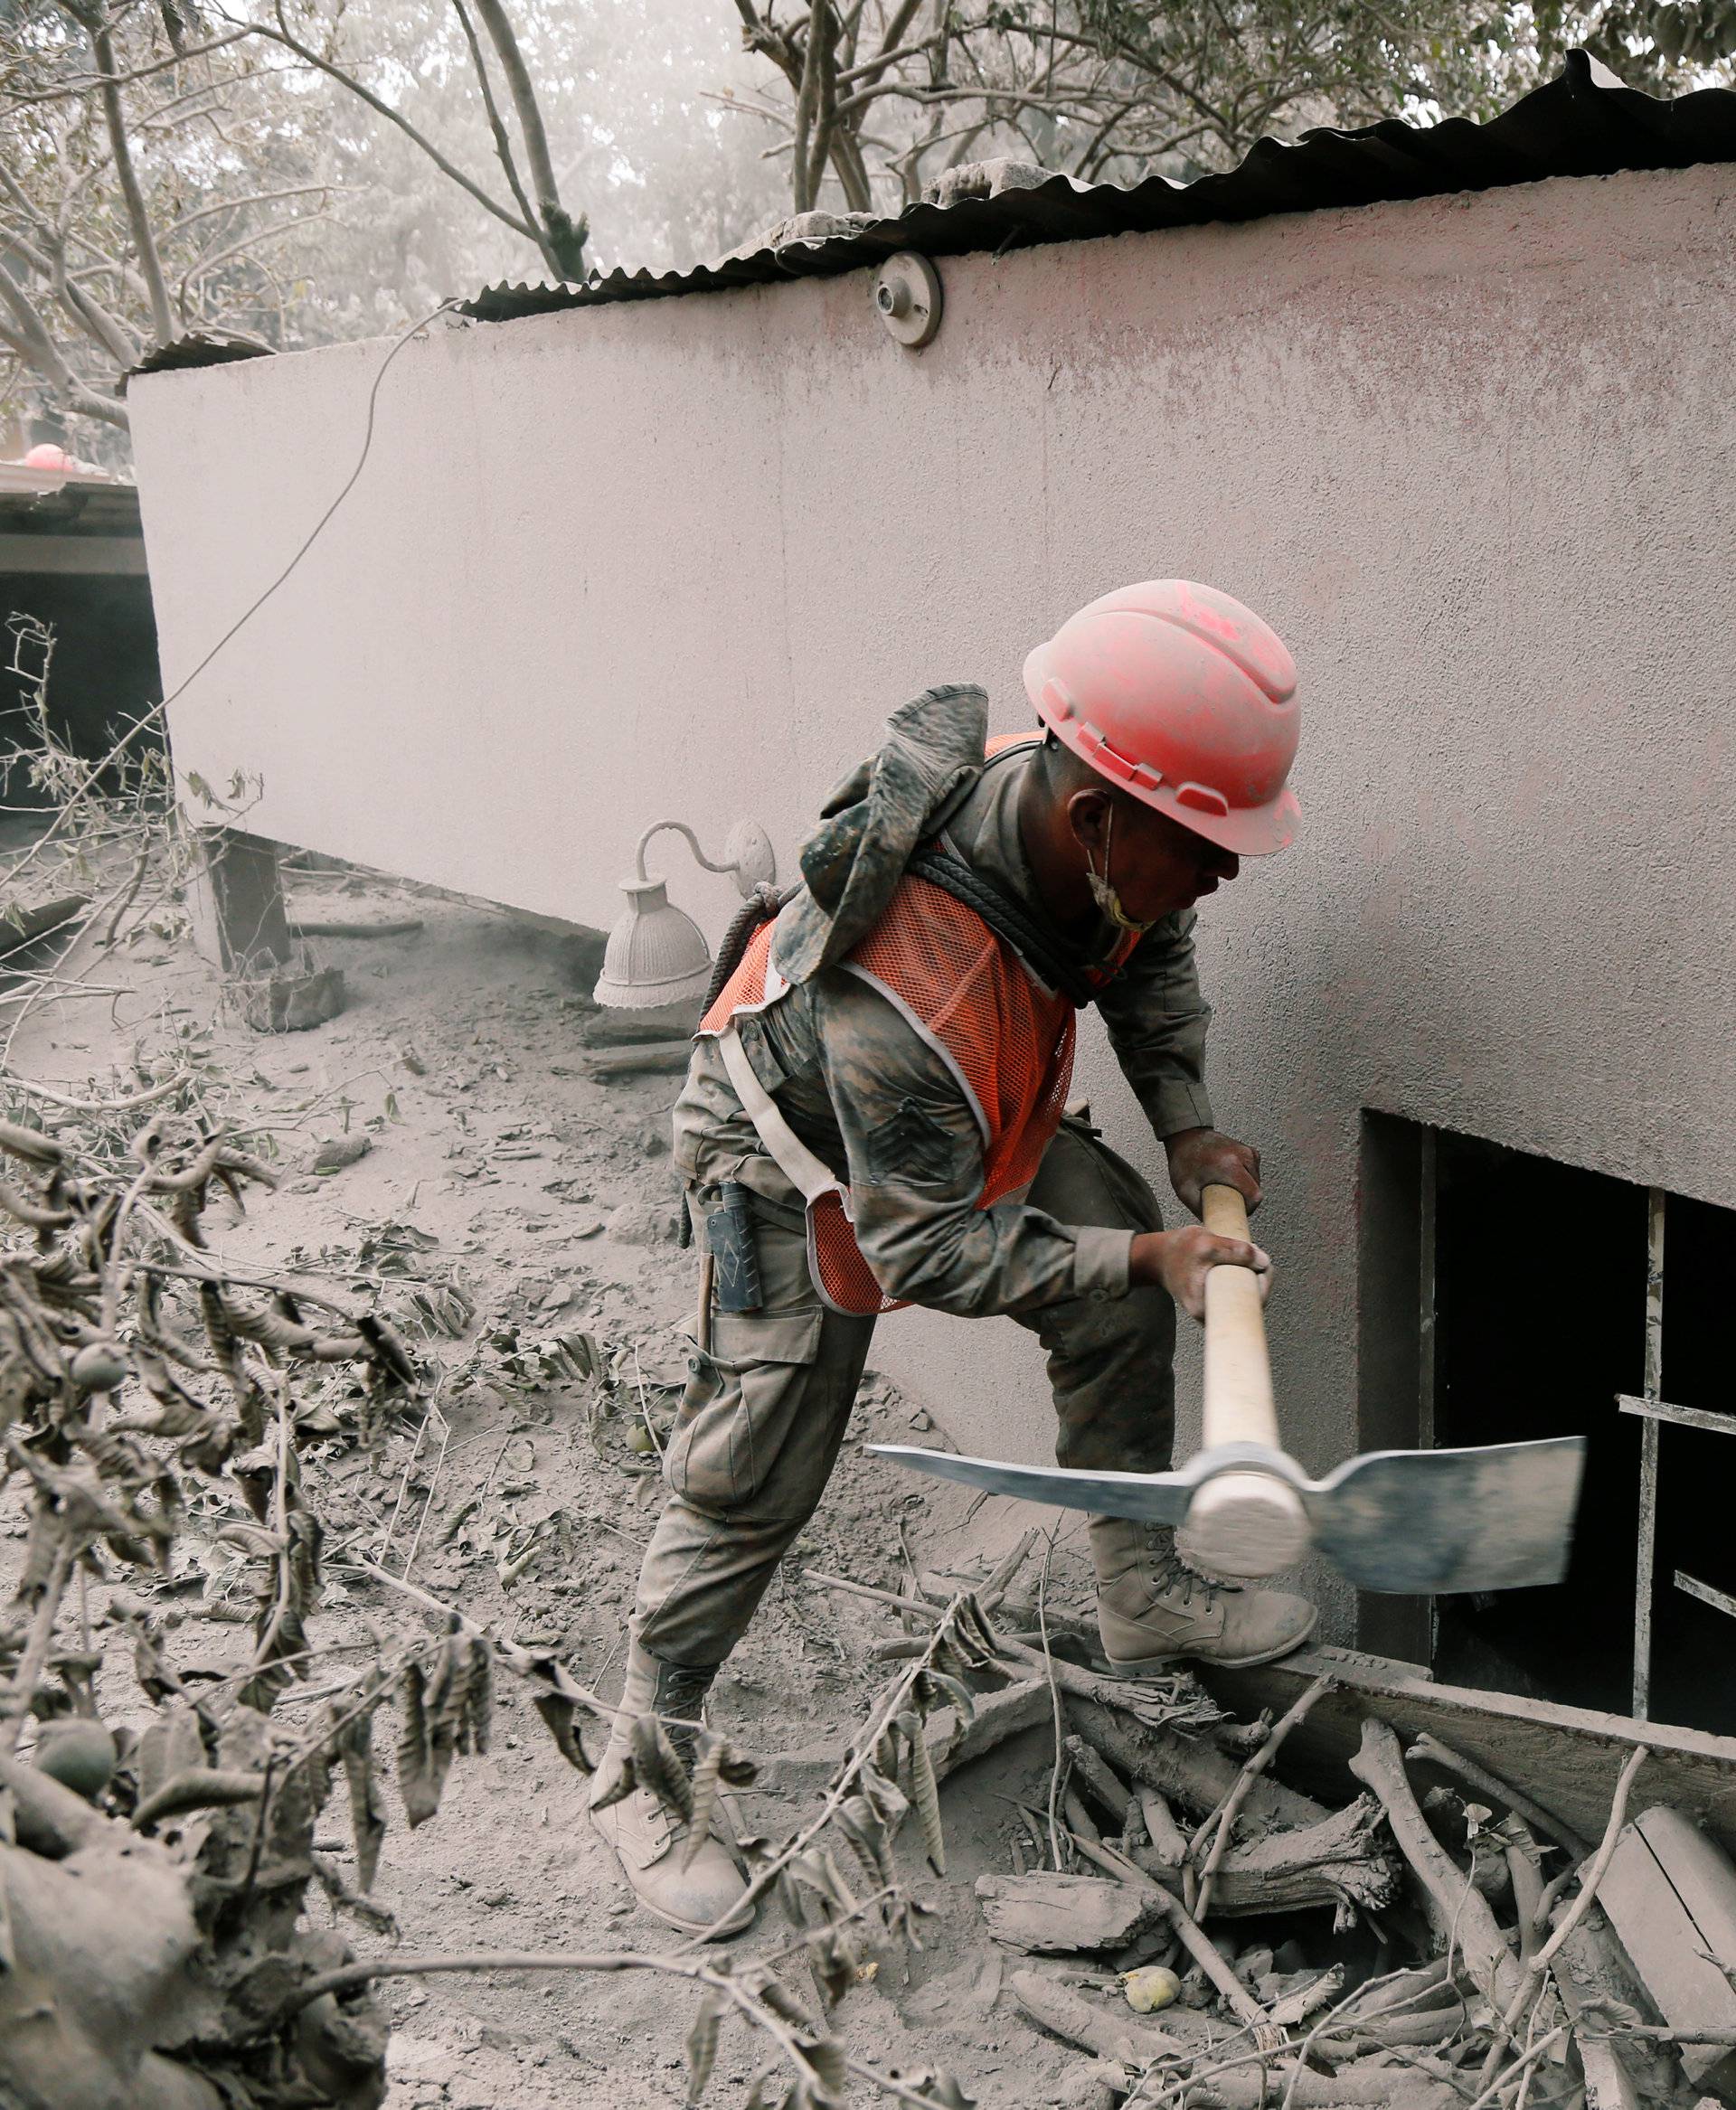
(250, 198)
(80, 85)
(32, 339)
(283, 34)
(566, 236)
(95, 25)
(503, 143)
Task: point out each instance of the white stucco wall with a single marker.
(1474, 458)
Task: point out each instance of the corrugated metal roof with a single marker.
(197, 348)
(1572, 126)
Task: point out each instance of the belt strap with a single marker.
(785, 1148)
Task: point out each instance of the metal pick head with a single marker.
(1417, 1523)
(1156, 1498)
(1427, 1524)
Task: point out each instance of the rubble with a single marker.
(1402, 1945)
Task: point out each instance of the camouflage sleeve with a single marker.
(914, 1154)
(1157, 1019)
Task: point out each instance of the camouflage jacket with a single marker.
(872, 1100)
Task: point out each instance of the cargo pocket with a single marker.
(745, 1435)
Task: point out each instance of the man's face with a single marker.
(1155, 865)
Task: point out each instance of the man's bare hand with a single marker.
(1180, 1260)
(1203, 1157)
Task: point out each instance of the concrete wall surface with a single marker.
(1474, 457)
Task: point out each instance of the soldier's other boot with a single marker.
(1152, 1608)
(651, 1841)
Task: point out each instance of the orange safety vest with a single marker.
(1005, 1037)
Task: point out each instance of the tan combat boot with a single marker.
(1152, 1608)
(650, 1841)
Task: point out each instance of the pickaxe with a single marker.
(1415, 1522)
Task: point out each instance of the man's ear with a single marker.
(1088, 819)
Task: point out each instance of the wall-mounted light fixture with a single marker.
(657, 954)
(906, 299)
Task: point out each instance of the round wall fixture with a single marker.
(748, 852)
(907, 294)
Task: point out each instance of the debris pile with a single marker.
(1209, 1935)
(158, 1852)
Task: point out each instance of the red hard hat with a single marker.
(1184, 697)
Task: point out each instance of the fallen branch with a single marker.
(1374, 2088)
(336, 926)
(1340, 1858)
(1094, 1771)
(1497, 1789)
(1531, 1982)
(1457, 1910)
(1069, 2014)
(1231, 1809)
(73, 1106)
(1190, 1771)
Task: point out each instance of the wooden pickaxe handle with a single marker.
(1238, 1407)
(1243, 1523)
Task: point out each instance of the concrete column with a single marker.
(239, 921)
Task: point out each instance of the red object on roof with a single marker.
(46, 454)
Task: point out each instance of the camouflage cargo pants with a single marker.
(765, 1413)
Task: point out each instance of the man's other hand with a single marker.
(1203, 1157)
(1180, 1260)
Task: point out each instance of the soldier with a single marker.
(873, 1117)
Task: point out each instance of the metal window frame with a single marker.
(1653, 1410)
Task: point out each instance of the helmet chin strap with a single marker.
(1102, 887)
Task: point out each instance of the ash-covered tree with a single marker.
(870, 102)
(166, 163)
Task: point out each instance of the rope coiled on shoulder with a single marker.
(759, 907)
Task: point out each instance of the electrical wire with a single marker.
(320, 525)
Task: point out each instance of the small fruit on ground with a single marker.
(1150, 1989)
(97, 1367)
(78, 1752)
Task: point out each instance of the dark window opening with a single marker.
(1534, 1273)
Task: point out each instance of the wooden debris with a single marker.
(354, 926)
(1221, 1826)
(1342, 1856)
(1101, 2032)
(1192, 1772)
(1385, 2087)
(1050, 1911)
(1168, 1841)
(997, 1716)
(1090, 1770)
(1525, 2002)
(1431, 1750)
(1457, 1909)
(1670, 1895)
(1569, 1757)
